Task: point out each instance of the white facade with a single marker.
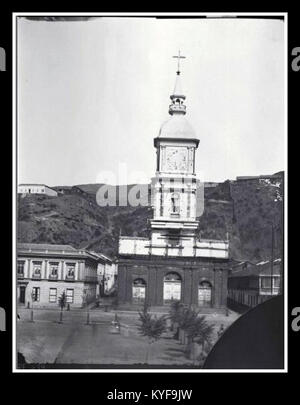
(44, 272)
(107, 275)
(36, 189)
(143, 246)
(176, 194)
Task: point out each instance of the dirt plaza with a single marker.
(86, 337)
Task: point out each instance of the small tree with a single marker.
(152, 327)
(183, 317)
(62, 300)
(194, 326)
(200, 331)
(176, 316)
(187, 319)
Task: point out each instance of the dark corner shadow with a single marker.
(254, 341)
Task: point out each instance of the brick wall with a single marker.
(191, 276)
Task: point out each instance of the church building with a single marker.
(174, 264)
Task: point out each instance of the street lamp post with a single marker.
(32, 300)
(272, 257)
(87, 307)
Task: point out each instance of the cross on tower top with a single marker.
(178, 61)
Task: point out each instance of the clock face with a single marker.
(176, 158)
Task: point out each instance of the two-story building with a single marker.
(45, 271)
(251, 284)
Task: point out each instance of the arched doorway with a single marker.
(138, 290)
(204, 294)
(172, 287)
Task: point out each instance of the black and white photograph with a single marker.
(150, 192)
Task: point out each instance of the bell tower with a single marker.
(174, 264)
(174, 186)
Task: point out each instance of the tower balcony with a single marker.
(177, 108)
(175, 222)
(132, 246)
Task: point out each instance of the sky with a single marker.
(92, 96)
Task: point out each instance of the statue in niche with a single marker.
(175, 203)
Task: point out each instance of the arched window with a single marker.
(172, 287)
(204, 294)
(172, 277)
(138, 290)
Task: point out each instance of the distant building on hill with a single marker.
(250, 284)
(276, 176)
(45, 271)
(210, 184)
(36, 189)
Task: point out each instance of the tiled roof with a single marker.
(50, 249)
(45, 246)
(32, 184)
(262, 268)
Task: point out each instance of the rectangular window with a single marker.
(276, 282)
(21, 265)
(70, 295)
(70, 270)
(54, 269)
(52, 294)
(37, 266)
(36, 294)
(266, 282)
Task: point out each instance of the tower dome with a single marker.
(177, 126)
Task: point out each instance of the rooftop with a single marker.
(51, 249)
(45, 246)
(33, 184)
(261, 268)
